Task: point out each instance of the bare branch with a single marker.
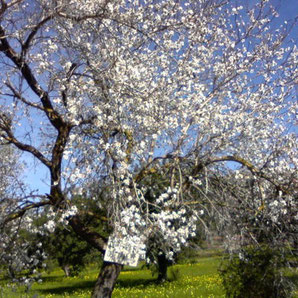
(254, 170)
(24, 68)
(21, 212)
(3, 7)
(10, 138)
(93, 238)
(26, 45)
(21, 98)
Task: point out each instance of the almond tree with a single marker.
(11, 189)
(115, 90)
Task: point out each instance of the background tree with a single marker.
(62, 244)
(16, 252)
(64, 247)
(109, 89)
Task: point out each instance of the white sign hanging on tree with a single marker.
(126, 250)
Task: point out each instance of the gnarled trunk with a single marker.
(110, 271)
(106, 280)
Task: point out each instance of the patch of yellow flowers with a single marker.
(197, 286)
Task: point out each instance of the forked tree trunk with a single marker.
(106, 280)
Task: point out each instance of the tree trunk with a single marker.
(66, 269)
(11, 272)
(106, 280)
(162, 268)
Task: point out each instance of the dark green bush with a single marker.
(255, 272)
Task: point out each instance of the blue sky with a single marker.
(37, 176)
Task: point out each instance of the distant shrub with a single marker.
(255, 272)
(174, 274)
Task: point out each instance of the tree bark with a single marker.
(162, 268)
(66, 270)
(106, 280)
(11, 272)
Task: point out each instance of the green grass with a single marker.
(195, 280)
(188, 280)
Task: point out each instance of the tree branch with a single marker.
(21, 98)
(93, 238)
(21, 212)
(10, 138)
(55, 119)
(26, 45)
(254, 170)
(3, 7)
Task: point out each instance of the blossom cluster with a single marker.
(172, 222)
(165, 219)
(62, 217)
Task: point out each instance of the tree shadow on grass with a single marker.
(52, 278)
(80, 285)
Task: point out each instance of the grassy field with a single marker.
(189, 280)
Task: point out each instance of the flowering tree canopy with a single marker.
(113, 91)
